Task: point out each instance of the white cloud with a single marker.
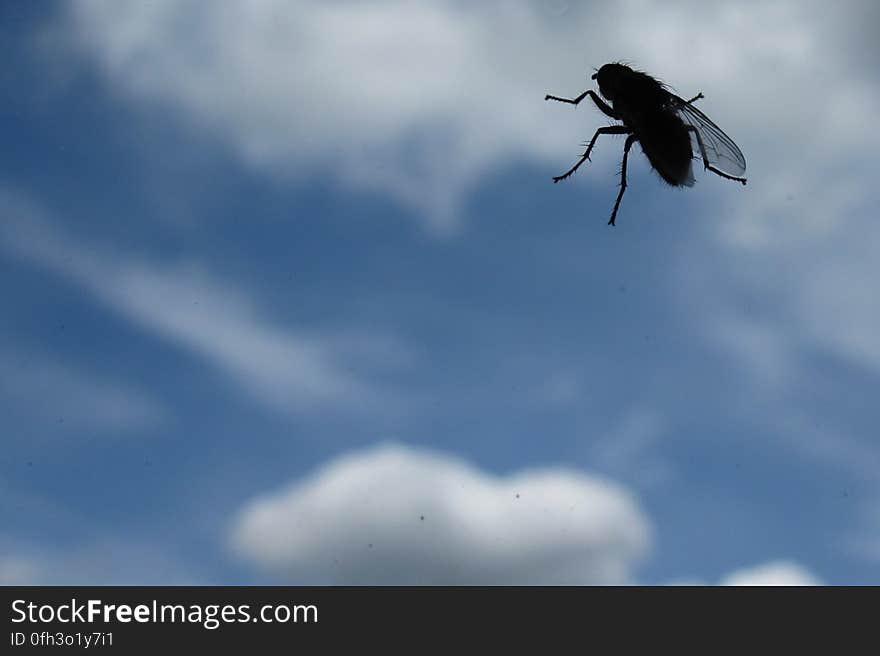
(798, 246)
(398, 515)
(814, 293)
(772, 573)
(420, 99)
(411, 99)
(184, 304)
(780, 572)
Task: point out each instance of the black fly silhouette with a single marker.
(663, 124)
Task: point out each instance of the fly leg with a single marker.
(601, 104)
(695, 98)
(630, 140)
(609, 129)
(706, 163)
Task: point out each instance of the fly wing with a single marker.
(720, 149)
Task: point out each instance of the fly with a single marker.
(668, 128)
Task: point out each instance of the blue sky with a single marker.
(292, 298)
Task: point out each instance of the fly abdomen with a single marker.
(666, 143)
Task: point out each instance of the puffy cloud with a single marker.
(398, 515)
(777, 572)
(780, 572)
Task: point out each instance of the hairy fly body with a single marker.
(667, 127)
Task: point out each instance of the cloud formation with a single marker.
(397, 515)
(186, 305)
(780, 572)
(420, 100)
(33, 384)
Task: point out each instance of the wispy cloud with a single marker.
(69, 399)
(279, 367)
(628, 450)
(18, 570)
(101, 561)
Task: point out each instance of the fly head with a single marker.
(610, 78)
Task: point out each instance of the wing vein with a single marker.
(721, 151)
